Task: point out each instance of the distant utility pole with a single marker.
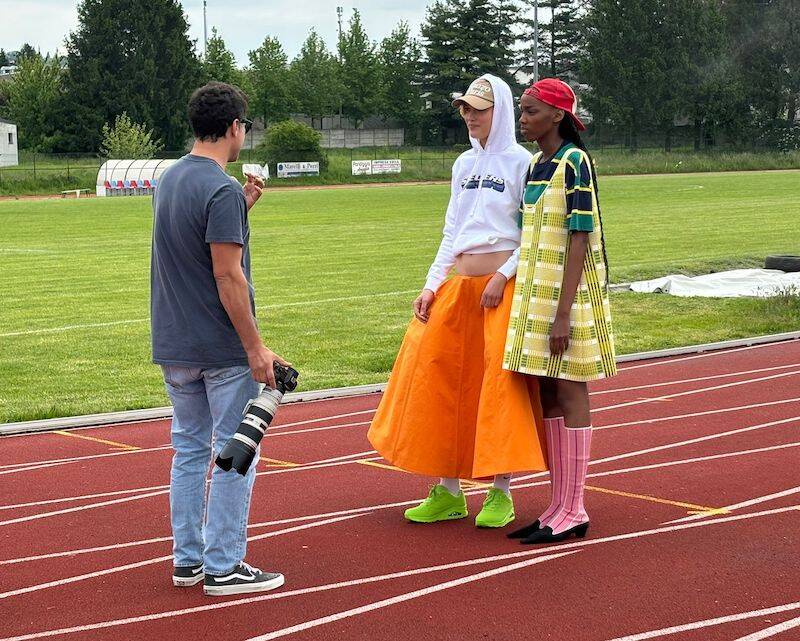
(535, 40)
(205, 32)
(339, 12)
(535, 60)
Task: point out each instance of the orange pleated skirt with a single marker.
(450, 409)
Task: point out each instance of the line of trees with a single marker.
(724, 69)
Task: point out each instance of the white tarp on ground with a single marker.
(739, 282)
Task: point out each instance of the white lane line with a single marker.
(66, 328)
(20, 467)
(334, 463)
(315, 429)
(655, 466)
(147, 489)
(30, 468)
(101, 548)
(737, 506)
(65, 499)
(323, 418)
(699, 439)
(354, 582)
(694, 391)
(164, 489)
(668, 446)
(159, 559)
(385, 506)
(772, 630)
(34, 465)
(698, 625)
(718, 353)
(408, 596)
(79, 508)
(167, 447)
(675, 417)
(680, 381)
(697, 459)
(73, 459)
(332, 460)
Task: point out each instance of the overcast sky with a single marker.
(243, 25)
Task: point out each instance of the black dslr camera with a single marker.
(239, 451)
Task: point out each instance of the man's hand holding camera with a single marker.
(261, 360)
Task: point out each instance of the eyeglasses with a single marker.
(248, 124)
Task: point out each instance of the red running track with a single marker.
(694, 489)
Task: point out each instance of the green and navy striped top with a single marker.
(578, 183)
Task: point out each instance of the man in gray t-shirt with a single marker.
(207, 342)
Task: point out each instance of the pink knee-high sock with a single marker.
(576, 444)
(553, 428)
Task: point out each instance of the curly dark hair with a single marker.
(213, 108)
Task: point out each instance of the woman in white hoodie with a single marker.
(450, 410)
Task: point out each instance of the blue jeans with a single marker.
(207, 408)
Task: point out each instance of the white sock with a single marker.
(503, 482)
(452, 485)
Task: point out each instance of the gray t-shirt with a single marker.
(196, 203)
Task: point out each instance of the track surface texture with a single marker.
(694, 498)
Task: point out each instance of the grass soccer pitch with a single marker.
(335, 272)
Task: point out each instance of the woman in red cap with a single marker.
(560, 322)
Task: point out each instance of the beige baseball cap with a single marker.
(479, 95)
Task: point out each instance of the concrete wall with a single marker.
(350, 138)
(338, 132)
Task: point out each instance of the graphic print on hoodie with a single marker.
(485, 192)
(489, 182)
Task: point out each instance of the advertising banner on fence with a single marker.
(386, 166)
(362, 167)
(367, 167)
(295, 169)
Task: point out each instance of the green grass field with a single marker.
(335, 273)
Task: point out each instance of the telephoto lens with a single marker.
(239, 451)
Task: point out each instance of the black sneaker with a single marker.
(243, 578)
(188, 576)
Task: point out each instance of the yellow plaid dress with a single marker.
(544, 249)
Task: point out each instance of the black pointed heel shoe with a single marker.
(526, 531)
(545, 535)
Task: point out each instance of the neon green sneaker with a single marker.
(497, 510)
(439, 506)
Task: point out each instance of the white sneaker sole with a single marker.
(187, 582)
(243, 588)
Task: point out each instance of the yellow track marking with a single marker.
(274, 461)
(475, 485)
(122, 446)
(654, 499)
(381, 465)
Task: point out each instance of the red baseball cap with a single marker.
(558, 94)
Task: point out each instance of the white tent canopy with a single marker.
(738, 282)
(130, 177)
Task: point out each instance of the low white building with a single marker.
(9, 150)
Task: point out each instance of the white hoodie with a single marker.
(486, 190)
